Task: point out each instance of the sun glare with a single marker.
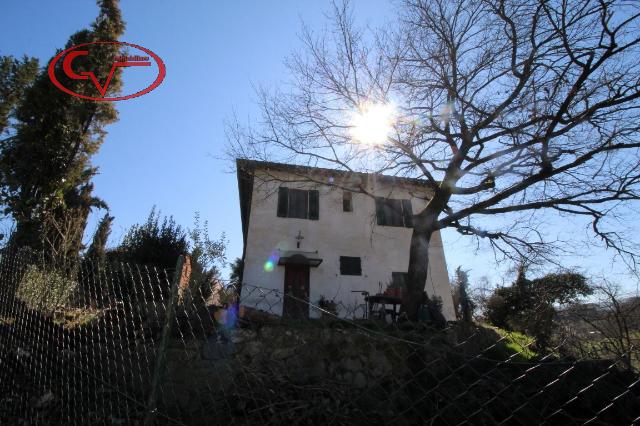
(373, 123)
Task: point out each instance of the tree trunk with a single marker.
(418, 264)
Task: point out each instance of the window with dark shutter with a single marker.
(314, 204)
(380, 212)
(347, 203)
(350, 265)
(407, 213)
(394, 212)
(298, 203)
(283, 201)
(389, 212)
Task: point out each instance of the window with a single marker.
(347, 201)
(394, 212)
(350, 266)
(298, 203)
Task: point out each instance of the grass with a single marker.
(513, 342)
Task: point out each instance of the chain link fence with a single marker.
(122, 344)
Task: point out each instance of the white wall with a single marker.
(383, 249)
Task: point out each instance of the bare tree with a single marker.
(480, 294)
(616, 321)
(507, 108)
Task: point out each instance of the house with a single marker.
(307, 236)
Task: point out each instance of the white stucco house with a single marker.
(304, 235)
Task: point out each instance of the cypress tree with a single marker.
(15, 76)
(98, 248)
(462, 285)
(45, 165)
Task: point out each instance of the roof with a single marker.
(250, 165)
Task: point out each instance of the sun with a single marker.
(372, 123)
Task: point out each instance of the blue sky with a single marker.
(165, 150)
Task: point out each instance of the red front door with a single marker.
(296, 291)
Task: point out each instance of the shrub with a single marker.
(496, 310)
(328, 305)
(157, 242)
(431, 311)
(528, 306)
(45, 290)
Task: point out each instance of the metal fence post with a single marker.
(158, 370)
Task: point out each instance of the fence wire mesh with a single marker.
(115, 343)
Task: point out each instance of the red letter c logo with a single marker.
(66, 64)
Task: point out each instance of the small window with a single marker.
(298, 203)
(350, 265)
(391, 212)
(347, 201)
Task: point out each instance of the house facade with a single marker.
(307, 236)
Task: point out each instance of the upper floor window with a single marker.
(394, 212)
(298, 203)
(347, 201)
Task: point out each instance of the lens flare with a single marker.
(372, 123)
(232, 317)
(227, 318)
(272, 261)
